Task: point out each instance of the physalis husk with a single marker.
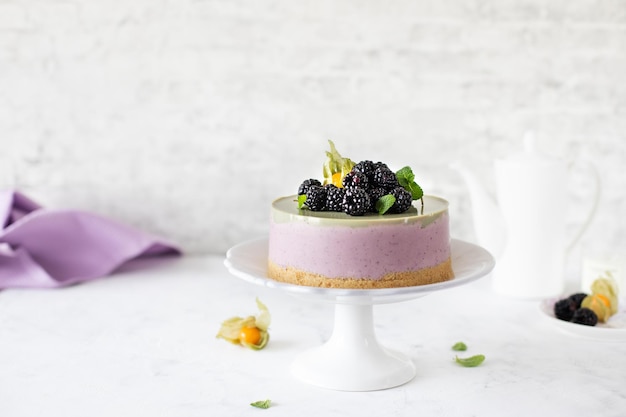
(237, 330)
(603, 299)
(336, 166)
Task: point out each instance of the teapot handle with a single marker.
(594, 205)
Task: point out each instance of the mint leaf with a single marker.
(459, 346)
(415, 190)
(261, 404)
(470, 362)
(301, 200)
(384, 203)
(406, 179)
(405, 176)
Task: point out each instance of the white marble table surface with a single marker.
(142, 343)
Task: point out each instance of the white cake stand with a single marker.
(352, 359)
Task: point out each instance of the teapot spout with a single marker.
(489, 224)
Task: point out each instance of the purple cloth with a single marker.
(45, 248)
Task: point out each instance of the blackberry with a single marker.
(384, 177)
(316, 198)
(404, 199)
(564, 309)
(356, 202)
(577, 299)
(355, 179)
(365, 167)
(380, 165)
(304, 187)
(585, 316)
(375, 194)
(334, 197)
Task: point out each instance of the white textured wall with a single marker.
(186, 118)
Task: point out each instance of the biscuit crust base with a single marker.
(438, 273)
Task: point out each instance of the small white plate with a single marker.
(613, 330)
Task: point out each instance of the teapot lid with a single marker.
(530, 154)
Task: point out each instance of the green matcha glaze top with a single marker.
(285, 209)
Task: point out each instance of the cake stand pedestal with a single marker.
(352, 359)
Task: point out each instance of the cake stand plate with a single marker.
(352, 359)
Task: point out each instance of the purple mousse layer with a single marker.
(371, 248)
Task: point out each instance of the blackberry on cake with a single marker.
(334, 197)
(365, 167)
(356, 201)
(355, 179)
(304, 187)
(382, 190)
(404, 200)
(385, 178)
(316, 198)
(375, 194)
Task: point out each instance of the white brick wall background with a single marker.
(187, 117)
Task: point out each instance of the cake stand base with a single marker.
(352, 359)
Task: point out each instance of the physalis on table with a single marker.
(250, 331)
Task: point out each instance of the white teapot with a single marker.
(526, 229)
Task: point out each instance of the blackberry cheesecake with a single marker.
(366, 227)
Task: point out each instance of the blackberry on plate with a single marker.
(564, 309)
(355, 179)
(316, 198)
(577, 299)
(384, 177)
(304, 187)
(403, 201)
(585, 316)
(334, 197)
(375, 194)
(356, 202)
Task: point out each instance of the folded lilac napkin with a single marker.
(46, 248)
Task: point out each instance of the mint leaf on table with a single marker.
(470, 362)
(261, 404)
(459, 346)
